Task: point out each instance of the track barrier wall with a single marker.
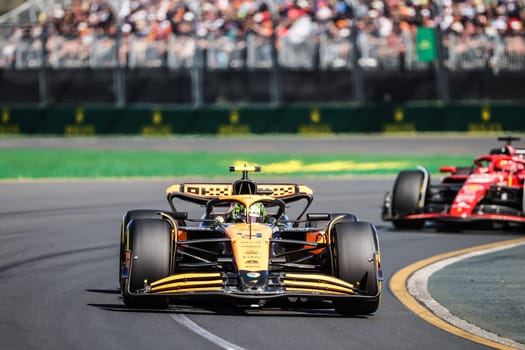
(305, 119)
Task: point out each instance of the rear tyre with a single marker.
(130, 215)
(355, 250)
(405, 198)
(150, 260)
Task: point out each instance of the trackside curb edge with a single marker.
(399, 287)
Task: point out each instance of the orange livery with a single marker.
(244, 244)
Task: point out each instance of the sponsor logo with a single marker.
(253, 274)
(462, 205)
(473, 187)
(481, 178)
(466, 198)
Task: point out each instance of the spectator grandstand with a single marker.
(238, 33)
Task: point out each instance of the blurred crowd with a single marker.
(74, 29)
(157, 19)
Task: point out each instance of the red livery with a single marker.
(489, 191)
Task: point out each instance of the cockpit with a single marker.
(243, 211)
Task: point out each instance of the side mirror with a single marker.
(178, 215)
(448, 169)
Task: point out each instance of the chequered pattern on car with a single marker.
(214, 190)
(280, 190)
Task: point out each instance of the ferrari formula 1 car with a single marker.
(488, 192)
(244, 246)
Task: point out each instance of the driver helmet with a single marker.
(257, 213)
(238, 213)
(502, 150)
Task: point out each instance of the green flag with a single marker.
(426, 44)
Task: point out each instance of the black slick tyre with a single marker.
(405, 198)
(124, 240)
(355, 251)
(150, 261)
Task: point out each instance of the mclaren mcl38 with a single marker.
(245, 246)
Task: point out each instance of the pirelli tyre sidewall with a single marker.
(355, 250)
(150, 261)
(405, 198)
(124, 237)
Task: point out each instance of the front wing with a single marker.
(279, 285)
(465, 218)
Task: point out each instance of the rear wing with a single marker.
(202, 192)
(520, 152)
(212, 190)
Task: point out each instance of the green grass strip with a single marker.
(60, 163)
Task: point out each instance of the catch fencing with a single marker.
(38, 65)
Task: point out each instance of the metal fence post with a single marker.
(275, 77)
(357, 71)
(119, 75)
(442, 70)
(196, 76)
(198, 64)
(43, 85)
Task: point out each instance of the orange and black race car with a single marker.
(245, 246)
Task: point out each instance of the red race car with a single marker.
(490, 191)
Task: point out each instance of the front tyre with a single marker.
(150, 261)
(409, 190)
(124, 239)
(355, 249)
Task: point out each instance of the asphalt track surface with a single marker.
(58, 289)
(373, 144)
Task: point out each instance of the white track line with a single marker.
(418, 287)
(192, 326)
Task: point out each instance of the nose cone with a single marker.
(467, 199)
(255, 281)
(250, 245)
